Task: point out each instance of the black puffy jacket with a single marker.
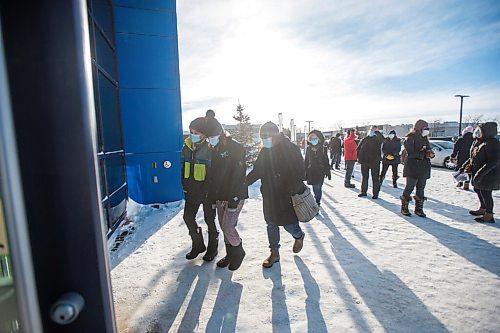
(416, 164)
(391, 147)
(369, 150)
(485, 159)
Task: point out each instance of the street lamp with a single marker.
(461, 105)
(309, 122)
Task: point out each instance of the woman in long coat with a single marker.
(316, 163)
(484, 164)
(280, 167)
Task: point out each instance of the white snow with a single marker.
(364, 268)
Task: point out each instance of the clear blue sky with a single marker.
(339, 62)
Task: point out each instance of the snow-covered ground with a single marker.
(364, 268)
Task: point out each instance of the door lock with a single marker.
(67, 308)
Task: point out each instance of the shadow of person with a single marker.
(315, 319)
(227, 304)
(280, 318)
(160, 319)
(394, 305)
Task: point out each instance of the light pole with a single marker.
(309, 122)
(461, 105)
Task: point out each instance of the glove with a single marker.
(389, 157)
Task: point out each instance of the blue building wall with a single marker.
(148, 69)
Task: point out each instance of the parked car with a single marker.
(443, 150)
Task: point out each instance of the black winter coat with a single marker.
(461, 149)
(369, 150)
(417, 165)
(281, 170)
(391, 147)
(197, 156)
(485, 160)
(335, 145)
(317, 166)
(227, 177)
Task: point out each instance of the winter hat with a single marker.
(212, 127)
(489, 130)
(269, 129)
(199, 125)
(210, 113)
(468, 129)
(420, 125)
(392, 132)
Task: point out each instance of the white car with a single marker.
(443, 151)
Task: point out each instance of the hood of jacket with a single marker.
(351, 137)
(489, 130)
(319, 135)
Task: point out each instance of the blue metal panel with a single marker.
(153, 120)
(139, 21)
(147, 4)
(147, 61)
(148, 67)
(141, 176)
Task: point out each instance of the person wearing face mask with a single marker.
(369, 156)
(461, 151)
(316, 163)
(484, 166)
(417, 167)
(390, 150)
(227, 188)
(280, 167)
(195, 163)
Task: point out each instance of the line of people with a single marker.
(214, 176)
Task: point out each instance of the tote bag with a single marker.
(305, 205)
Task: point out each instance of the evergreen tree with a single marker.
(244, 134)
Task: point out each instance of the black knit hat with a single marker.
(210, 113)
(213, 127)
(268, 129)
(199, 124)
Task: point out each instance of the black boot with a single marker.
(213, 245)
(404, 206)
(237, 255)
(198, 245)
(419, 206)
(224, 262)
(394, 182)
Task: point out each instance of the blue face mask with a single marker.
(214, 140)
(391, 136)
(477, 133)
(314, 142)
(267, 142)
(195, 138)
(371, 133)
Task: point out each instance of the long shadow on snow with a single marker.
(280, 317)
(227, 304)
(349, 304)
(161, 319)
(469, 246)
(396, 307)
(315, 319)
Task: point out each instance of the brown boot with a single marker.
(466, 186)
(419, 206)
(486, 218)
(478, 212)
(404, 206)
(299, 243)
(273, 257)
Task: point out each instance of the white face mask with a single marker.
(425, 132)
(391, 136)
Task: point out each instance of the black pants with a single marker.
(190, 211)
(365, 172)
(486, 199)
(348, 173)
(335, 159)
(394, 171)
(410, 185)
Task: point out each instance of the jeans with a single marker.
(348, 173)
(273, 233)
(190, 211)
(486, 199)
(335, 159)
(410, 185)
(228, 220)
(317, 192)
(365, 172)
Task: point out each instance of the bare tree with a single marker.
(474, 119)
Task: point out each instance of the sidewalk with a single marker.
(364, 268)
